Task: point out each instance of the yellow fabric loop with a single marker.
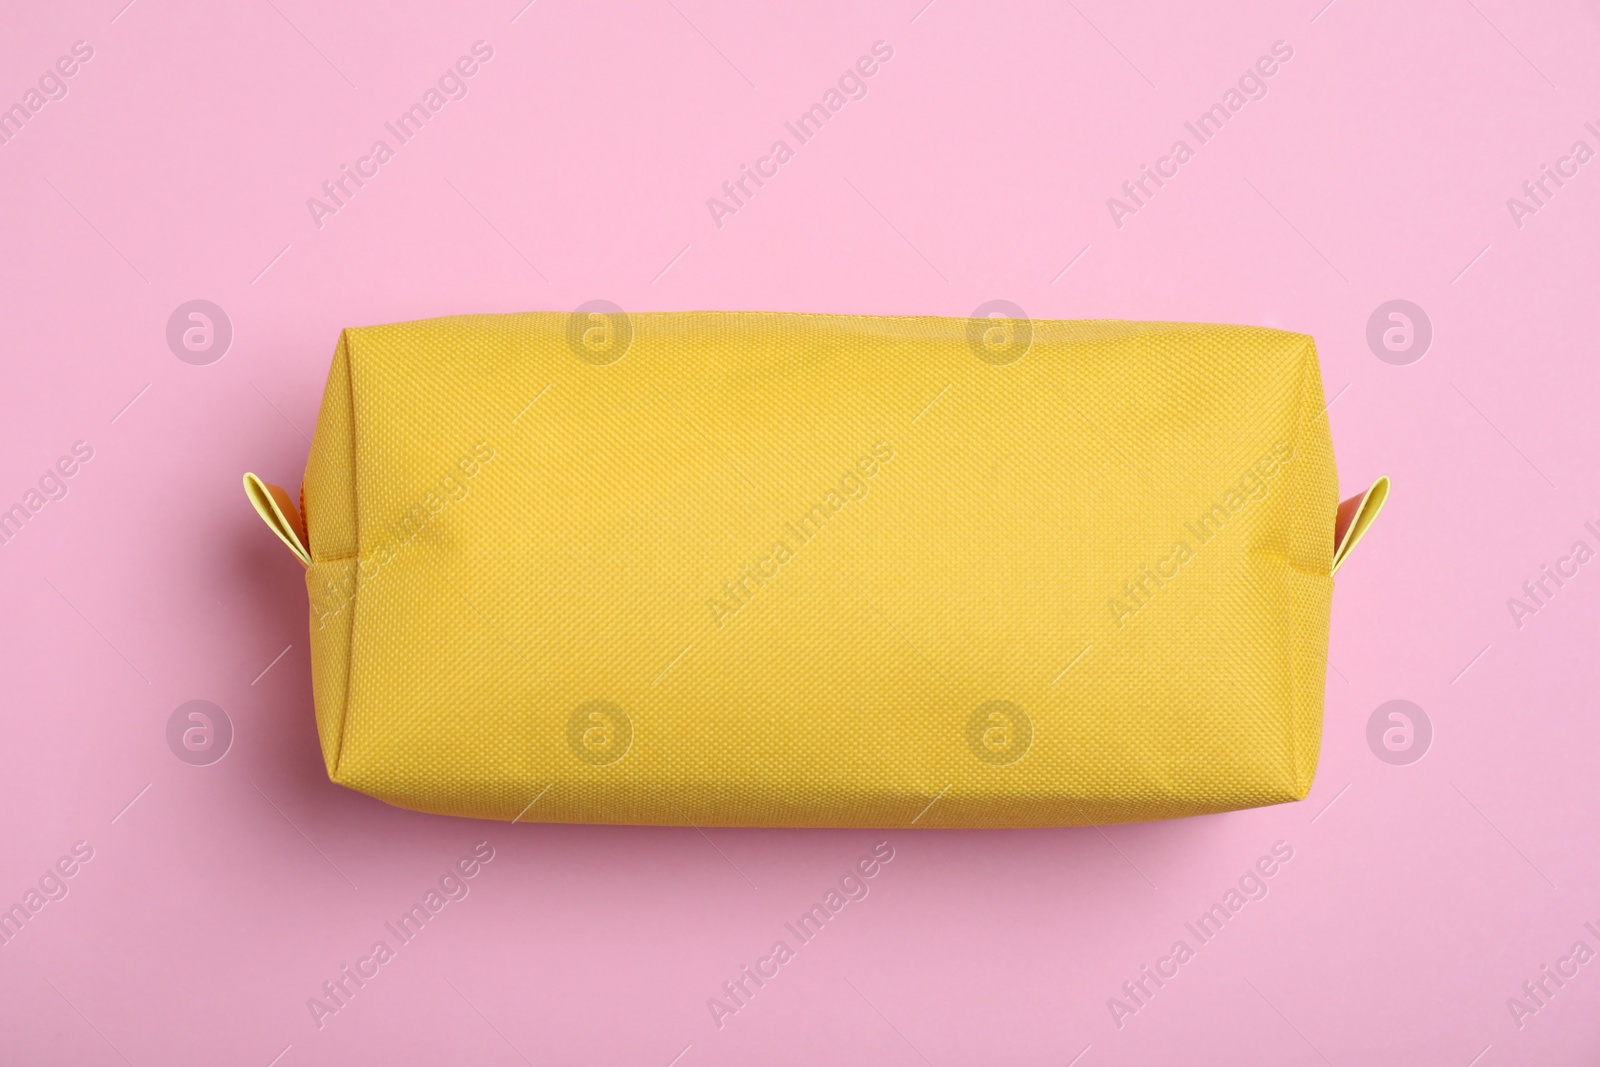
(277, 510)
(1355, 518)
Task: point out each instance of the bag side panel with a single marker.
(332, 579)
(1316, 502)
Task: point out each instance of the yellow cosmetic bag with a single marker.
(819, 570)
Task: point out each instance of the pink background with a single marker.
(1378, 166)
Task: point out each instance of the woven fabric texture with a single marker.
(751, 569)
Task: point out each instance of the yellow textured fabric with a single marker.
(814, 570)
